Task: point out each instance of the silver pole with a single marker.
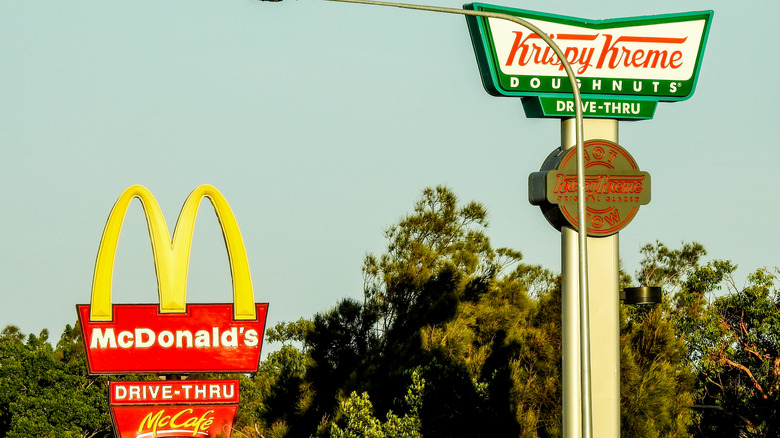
(587, 424)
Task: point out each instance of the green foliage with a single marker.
(456, 338)
(740, 361)
(272, 399)
(472, 319)
(656, 383)
(46, 392)
(731, 339)
(357, 414)
(482, 329)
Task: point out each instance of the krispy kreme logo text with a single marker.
(616, 52)
(619, 188)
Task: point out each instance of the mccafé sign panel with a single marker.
(203, 408)
(614, 188)
(641, 60)
(172, 336)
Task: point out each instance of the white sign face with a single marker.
(665, 51)
(654, 58)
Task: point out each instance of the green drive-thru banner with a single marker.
(624, 66)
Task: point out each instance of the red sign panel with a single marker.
(203, 421)
(179, 408)
(140, 339)
(175, 391)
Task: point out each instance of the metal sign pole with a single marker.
(603, 314)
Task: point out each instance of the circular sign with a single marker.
(614, 188)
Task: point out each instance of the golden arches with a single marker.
(172, 256)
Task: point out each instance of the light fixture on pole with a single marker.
(641, 295)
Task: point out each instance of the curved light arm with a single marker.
(587, 427)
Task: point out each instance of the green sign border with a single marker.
(492, 79)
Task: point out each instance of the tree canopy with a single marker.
(455, 337)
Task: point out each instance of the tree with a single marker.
(470, 318)
(46, 392)
(739, 361)
(731, 337)
(358, 415)
(272, 400)
(482, 329)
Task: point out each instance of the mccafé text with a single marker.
(183, 420)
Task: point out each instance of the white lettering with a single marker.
(250, 337)
(183, 335)
(165, 339)
(104, 338)
(139, 338)
(99, 339)
(225, 392)
(229, 338)
(125, 339)
(202, 339)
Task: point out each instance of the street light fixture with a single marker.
(641, 295)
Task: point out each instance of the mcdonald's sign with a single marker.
(172, 336)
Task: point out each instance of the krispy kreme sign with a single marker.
(614, 188)
(172, 336)
(642, 59)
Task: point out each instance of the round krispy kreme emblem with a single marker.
(614, 188)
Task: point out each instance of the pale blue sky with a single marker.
(321, 123)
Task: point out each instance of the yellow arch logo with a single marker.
(172, 255)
